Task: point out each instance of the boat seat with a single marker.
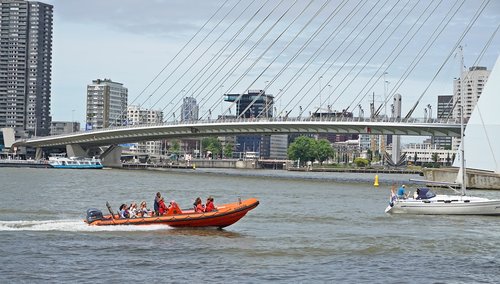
(174, 209)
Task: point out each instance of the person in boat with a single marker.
(162, 207)
(143, 210)
(209, 206)
(124, 213)
(198, 206)
(133, 210)
(401, 192)
(156, 203)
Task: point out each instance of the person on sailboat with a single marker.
(401, 192)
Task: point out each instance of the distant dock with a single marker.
(5, 163)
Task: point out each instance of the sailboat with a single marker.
(428, 203)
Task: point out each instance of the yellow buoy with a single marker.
(375, 184)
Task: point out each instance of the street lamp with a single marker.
(222, 102)
(319, 108)
(72, 120)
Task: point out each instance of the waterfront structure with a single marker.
(25, 66)
(139, 116)
(278, 147)
(189, 109)
(423, 153)
(444, 110)
(106, 104)
(470, 85)
(64, 127)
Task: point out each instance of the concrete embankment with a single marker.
(475, 178)
(357, 170)
(227, 163)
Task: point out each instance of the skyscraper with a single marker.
(106, 104)
(136, 116)
(444, 109)
(470, 85)
(189, 109)
(25, 66)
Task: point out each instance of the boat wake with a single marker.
(70, 226)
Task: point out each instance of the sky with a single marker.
(131, 41)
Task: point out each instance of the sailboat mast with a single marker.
(462, 130)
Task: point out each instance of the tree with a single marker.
(302, 148)
(361, 162)
(176, 147)
(435, 159)
(213, 145)
(228, 150)
(323, 150)
(415, 159)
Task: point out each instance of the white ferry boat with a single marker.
(74, 163)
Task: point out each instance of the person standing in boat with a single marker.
(209, 206)
(156, 203)
(198, 206)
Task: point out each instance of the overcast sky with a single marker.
(130, 41)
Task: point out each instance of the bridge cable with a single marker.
(264, 52)
(326, 43)
(384, 42)
(307, 43)
(282, 51)
(192, 51)
(255, 45)
(383, 64)
(176, 55)
(419, 56)
(344, 50)
(476, 16)
(199, 75)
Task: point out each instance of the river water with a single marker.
(309, 227)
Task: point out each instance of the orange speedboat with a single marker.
(223, 216)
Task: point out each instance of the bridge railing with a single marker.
(275, 119)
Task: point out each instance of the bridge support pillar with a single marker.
(112, 157)
(75, 150)
(38, 154)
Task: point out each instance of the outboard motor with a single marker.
(93, 214)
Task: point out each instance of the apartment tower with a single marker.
(25, 66)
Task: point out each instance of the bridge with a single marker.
(267, 126)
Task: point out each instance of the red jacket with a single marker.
(199, 208)
(209, 207)
(162, 208)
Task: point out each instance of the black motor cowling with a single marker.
(93, 214)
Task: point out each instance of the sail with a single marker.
(482, 133)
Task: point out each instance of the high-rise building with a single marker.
(470, 85)
(137, 116)
(106, 104)
(189, 109)
(444, 110)
(25, 66)
(256, 103)
(64, 127)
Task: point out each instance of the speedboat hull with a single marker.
(446, 205)
(224, 216)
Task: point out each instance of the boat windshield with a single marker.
(425, 193)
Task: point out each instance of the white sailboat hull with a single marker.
(446, 205)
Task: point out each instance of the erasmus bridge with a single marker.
(311, 56)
